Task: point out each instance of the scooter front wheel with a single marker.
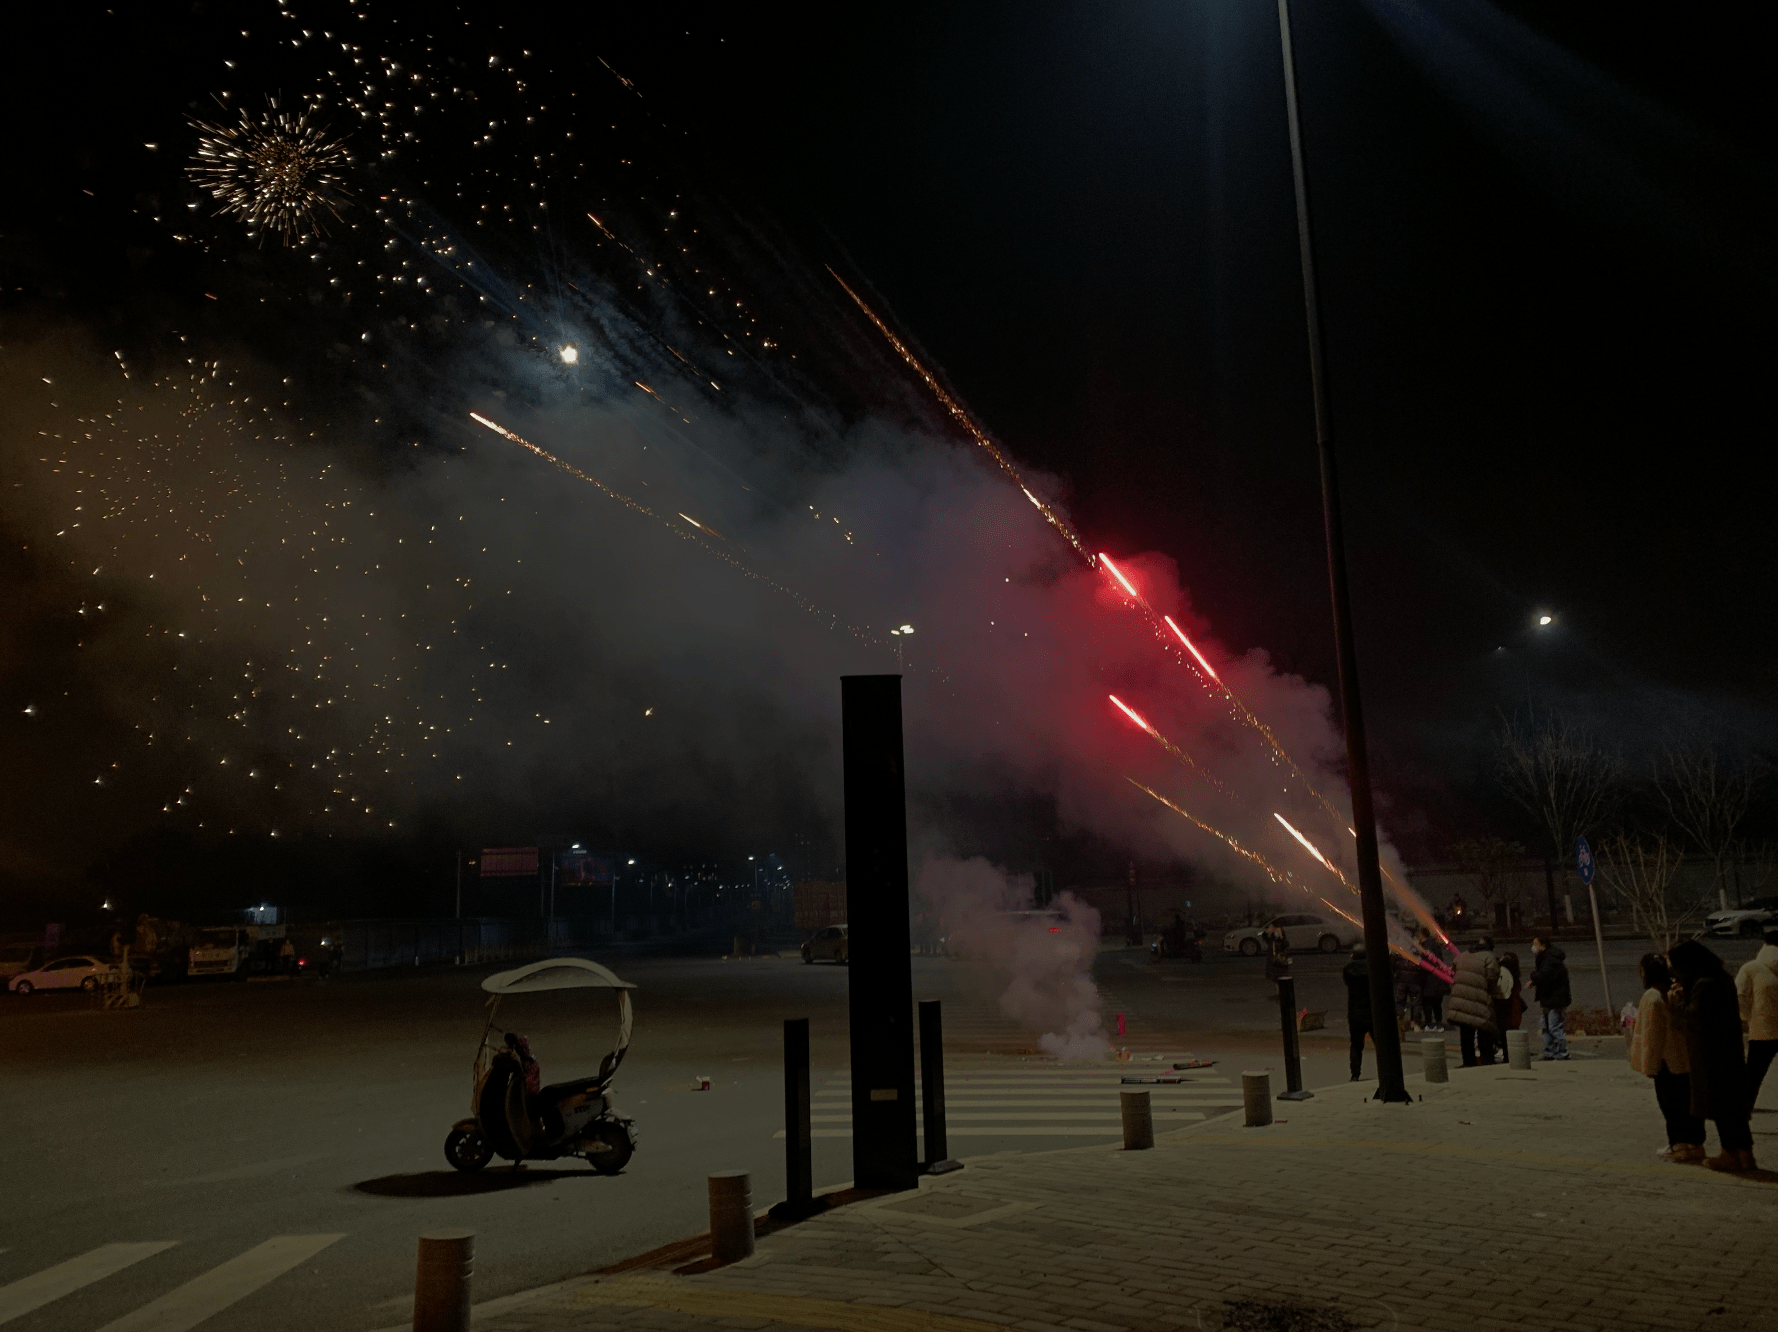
(468, 1148)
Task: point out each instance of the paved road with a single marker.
(263, 1155)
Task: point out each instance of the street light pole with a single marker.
(1390, 1086)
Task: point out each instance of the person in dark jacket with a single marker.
(1277, 946)
(1433, 987)
(1549, 982)
(1703, 998)
(1409, 992)
(1357, 975)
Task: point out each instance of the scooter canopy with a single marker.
(555, 973)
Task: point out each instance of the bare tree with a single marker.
(1492, 862)
(1643, 872)
(1562, 775)
(1706, 791)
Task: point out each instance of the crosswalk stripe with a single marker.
(1001, 1117)
(1008, 1131)
(1097, 1103)
(185, 1307)
(38, 1289)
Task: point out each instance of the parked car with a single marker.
(1301, 931)
(828, 944)
(65, 973)
(1750, 920)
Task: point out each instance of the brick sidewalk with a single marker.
(1505, 1200)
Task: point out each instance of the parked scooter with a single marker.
(518, 1118)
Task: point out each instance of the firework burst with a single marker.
(274, 170)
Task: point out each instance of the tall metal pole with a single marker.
(1390, 1086)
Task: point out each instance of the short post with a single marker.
(1518, 1049)
(1256, 1098)
(1138, 1120)
(932, 1090)
(1432, 1059)
(731, 1215)
(441, 1280)
(799, 1168)
(1293, 1058)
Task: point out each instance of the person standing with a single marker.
(1509, 1008)
(1277, 946)
(1703, 996)
(1657, 1050)
(1405, 973)
(1357, 975)
(1471, 1005)
(1433, 986)
(1756, 987)
(1549, 982)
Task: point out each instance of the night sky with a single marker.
(1545, 283)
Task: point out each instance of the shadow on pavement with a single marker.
(456, 1184)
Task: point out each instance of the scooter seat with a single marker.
(558, 1092)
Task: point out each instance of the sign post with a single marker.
(1583, 862)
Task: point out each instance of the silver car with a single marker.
(828, 945)
(1301, 931)
(1749, 921)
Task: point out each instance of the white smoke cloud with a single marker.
(1036, 965)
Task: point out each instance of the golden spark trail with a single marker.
(962, 418)
(696, 538)
(1179, 754)
(1311, 849)
(1276, 875)
(1284, 876)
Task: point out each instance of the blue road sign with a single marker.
(1583, 861)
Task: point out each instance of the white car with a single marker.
(78, 972)
(829, 943)
(1301, 931)
(1749, 921)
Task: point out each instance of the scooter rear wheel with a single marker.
(468, 1149)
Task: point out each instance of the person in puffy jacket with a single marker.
(1471, 1005)
(1657, 1050)
(1549, 982)
(1703, 996)
(1756, 987)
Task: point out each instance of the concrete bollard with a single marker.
(441, 1281)
(1256, 1098)
(1138, 1120)
(1518, 1049)
(731, 1215)
(1432, 1059)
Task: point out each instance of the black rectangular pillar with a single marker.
(881, 983)
(932, 1090)
(799, 1173)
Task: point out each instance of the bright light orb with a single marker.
(570, 355)
(1546, 619)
